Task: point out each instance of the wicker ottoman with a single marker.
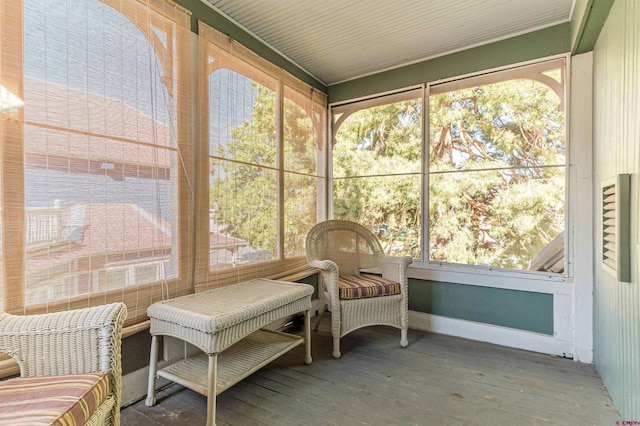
(225, 323)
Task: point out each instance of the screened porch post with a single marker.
(186, 192)
(12, 156)
(280, 208)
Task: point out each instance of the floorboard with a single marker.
(436, 380)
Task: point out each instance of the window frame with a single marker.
(281, 265)
(347, 108)
(424, 268)
(177, 66)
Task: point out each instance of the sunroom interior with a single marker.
(151, 149)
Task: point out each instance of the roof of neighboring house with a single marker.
(101, 129)
(100, 229)
(221, 241)
(551, 257)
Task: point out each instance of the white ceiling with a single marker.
(339, 40)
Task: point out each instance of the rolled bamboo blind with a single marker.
(262, 164)
(95, 187)
(96, 197)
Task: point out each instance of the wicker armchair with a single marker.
(72, 342)
(342, 250)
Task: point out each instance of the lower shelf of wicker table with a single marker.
(234, 364)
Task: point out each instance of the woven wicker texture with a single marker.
(339, 248)
(71, 342)
(215, 319)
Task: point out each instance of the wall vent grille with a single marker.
(616, 227)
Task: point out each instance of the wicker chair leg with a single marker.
(336, 348)
(403, 338)
(317, 324)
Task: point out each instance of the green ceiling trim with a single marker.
(592, 23)
(539, 44)
(201, 12)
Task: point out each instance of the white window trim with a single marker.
(487, 276)
(511, 279)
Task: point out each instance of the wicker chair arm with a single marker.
(78, 341)
(330, 277)
(395, 268)
(72, 342)
(399, 260)
(325, 265)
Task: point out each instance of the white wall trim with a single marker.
(134, 385)
(494, 279)
(503, 336)
(581, 199)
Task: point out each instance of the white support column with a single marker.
(581, 203)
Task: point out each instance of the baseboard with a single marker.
(498, 335)
(134, 385)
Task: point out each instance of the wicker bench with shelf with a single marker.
(225, 324)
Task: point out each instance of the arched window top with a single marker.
(549, 73)
(87, 64)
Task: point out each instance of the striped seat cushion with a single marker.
(52, 400)
(360, 286)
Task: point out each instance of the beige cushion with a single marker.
(361, 286)
(52, 400)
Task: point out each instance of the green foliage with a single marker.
(496, 174)
(244, 192)
(496, 196)
(301, 149)
(378, 151)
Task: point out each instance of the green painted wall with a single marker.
(136, 350)
(616, 140)
(550, 41)
(593, 19)
(521, 310)
(201, 12)
(311, 280)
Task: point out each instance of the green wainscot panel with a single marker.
(311, 280)
(522, 310)
(136, 350)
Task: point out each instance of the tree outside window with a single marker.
(494, 178)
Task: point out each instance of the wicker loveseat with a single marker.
(342, 250)
(70, 371)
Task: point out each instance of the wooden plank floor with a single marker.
(437, 380)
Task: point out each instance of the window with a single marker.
(376, 160)
(263, 172)
(494, 169)
(304, 167)
(497, 167)
(102, 158)
(243, 171)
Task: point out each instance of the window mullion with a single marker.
(426, 152)
(12, 157)
(280, 166)
(495, 186)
